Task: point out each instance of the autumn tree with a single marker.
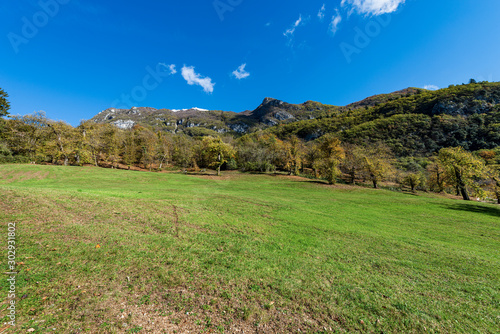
(462, 168)
(148, 143)
(129, 148)
(93, 139)
(63, 139)
(312, 157)
(112, 142)
(183, 150)
(294, 153)
(492, 184)
(165, 148)
(413, 180)
(437, 175)
(216, 152)
(331, 154)
(376, 163)
(353, 162)
(27, 135)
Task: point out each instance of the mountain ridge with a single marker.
(270, 112)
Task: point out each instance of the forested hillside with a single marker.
(420, 124)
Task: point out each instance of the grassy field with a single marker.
(111, 251)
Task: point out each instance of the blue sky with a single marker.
(74, 58)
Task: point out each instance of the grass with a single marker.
(111, 251)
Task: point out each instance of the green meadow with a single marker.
(113, 251)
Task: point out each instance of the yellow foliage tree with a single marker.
(331, 154)
(463, 168)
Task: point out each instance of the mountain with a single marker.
(196, 121)
(411, 121)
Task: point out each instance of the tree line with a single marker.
(36, 139)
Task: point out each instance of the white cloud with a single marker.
(373, 7)
(321, 13)
(289, 32)
(240, 73)
(194, 78)
(336, 19)
(431, 87)
(170, 67)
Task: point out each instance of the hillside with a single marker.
(411, 121)
(422, 123)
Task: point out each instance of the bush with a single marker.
(17, 159)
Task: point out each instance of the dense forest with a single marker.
(442, 141)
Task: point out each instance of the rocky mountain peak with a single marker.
(270, 102)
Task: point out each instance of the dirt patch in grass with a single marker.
(19, 176)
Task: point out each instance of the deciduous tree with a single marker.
(331, 154)
(294, 153)
(376, 163)
(148, 142)
(216, 152)
(63, 139)
(353, 161)
(463, 168)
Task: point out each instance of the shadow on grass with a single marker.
(470, 207)
(312, 181)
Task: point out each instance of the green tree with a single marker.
(463, 168)
(260, 151)
(4, 103)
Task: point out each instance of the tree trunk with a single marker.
(375, 184)
(218, 171)
(438, 180)
(464, 193)
(353, 176)
(461, 185)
